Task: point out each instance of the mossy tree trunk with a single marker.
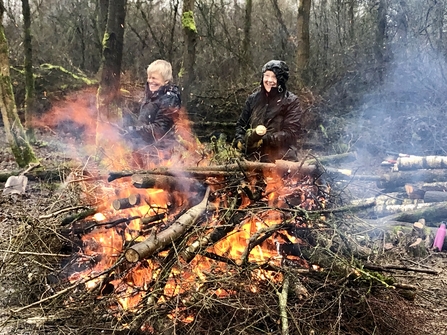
(15, 133)
(108, 95)
(29, 78)
(189, 52)
(303, 49)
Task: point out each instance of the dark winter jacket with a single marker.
(159, 113)
(280, 113)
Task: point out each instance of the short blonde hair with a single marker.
(161, 67)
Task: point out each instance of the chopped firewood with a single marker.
(156, 242)
(123, 203)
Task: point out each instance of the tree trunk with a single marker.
(285, 32)
(380, 38)
(189, 53)
(108, 97)
(15, 134)
(29, 79)
(246, 51)
(303, 49)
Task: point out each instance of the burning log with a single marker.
(160, 240)
(123, 203)
(167, 183)
(280, 166)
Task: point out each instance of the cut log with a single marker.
(421, 162)
(435, 196)
(158, 241)
(386, 210)
(399, 179)
(123, 203)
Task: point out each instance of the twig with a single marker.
(51, 215)
(33, 253)
(67, 289)
(398, 267)
(283, 295)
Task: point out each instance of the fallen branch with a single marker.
(158, 241)
(280, 166)
(374, 267)
(283, 297)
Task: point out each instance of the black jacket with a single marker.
(280, 113)
(159, 113)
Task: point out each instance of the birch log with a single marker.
(399, 179)
(421, 162)
(158, 241)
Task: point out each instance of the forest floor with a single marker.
(429, 306)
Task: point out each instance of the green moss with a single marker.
(188, 21)
(85, 80)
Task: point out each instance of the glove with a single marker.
(240, 145)
(135, 128)
(255, 145)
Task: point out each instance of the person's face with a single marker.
(155, 81)
(269, 80)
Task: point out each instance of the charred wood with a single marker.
(168, 183)
(78, 216)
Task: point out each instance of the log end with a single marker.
(132, 256)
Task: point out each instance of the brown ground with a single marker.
(18, 213)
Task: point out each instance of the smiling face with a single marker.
(269, 80)
(155, 81)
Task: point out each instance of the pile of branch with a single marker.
(288, 203)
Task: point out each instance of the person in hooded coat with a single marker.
(269, 125)
(154, 134)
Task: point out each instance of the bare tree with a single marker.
(189, 52)
(380, 38)
(303, 49)
(15, 133)
(246, 52)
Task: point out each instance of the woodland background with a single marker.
(364, 68)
